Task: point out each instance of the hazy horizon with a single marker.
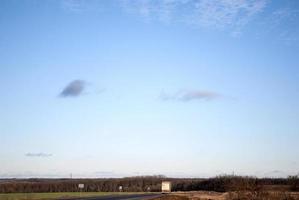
(182, 88)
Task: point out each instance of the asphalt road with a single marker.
(123, 197)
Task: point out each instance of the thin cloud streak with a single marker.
(74, 5)
(189, 95)
(38, 154)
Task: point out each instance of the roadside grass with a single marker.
(56, 195)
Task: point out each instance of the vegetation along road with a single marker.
(122, 197)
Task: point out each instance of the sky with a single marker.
(183, 88)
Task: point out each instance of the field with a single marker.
(56, 195)
(208, 195)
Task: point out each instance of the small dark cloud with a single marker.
(38, 154)
(277, 171)
(294, 163)
(73, 89)
(189, 95)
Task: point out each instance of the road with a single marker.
(122, 197)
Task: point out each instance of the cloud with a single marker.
(38, 155)
(80, 6)
(189, 95)
(163, 10)
(277, 173)
(107, 174)
(73, 89)
(74, 5)
(203, 13)
(284, 22)
(222, 13)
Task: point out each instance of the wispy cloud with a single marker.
(74, 5)
(203, 13)
(38, 154)
(163, 10)
(79, 6)
(189, 95)
(284, 14)
(284, 21)
(73, 89)
(233, 14)
(107, 174)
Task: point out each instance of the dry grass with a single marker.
(198, 195)
(205, 195)
(262, 195)
(172, 197)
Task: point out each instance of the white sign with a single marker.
(81, 186)
(166, 186)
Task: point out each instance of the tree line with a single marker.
(147, 183)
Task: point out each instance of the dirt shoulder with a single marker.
(206, 195)
(196, 195)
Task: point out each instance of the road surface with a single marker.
(122, 197)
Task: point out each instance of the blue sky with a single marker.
(123, 88)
